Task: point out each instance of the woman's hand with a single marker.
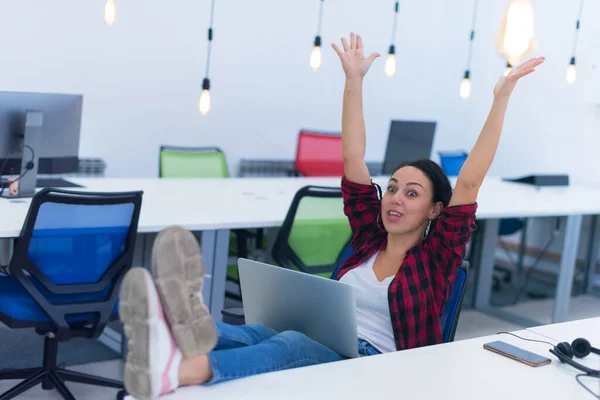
(507, 83)
(353, 60)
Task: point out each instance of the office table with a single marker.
(458, 370)
(214, 206)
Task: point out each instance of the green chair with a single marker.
(314, 232)
(205, 162)
(192, 162)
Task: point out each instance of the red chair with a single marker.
(319, 154)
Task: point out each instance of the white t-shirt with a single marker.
(373, 320)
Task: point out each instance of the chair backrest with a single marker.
(319, 154)
(452, 162)
(76, 244)
(408, 141)
(314, 231)
(449, 318)
(192, 162)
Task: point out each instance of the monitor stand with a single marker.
(55, 183)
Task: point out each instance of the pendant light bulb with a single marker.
(390, 63)
(204, 103)
(109, 12)
(315, 56)
(516, 38)
(465, 87)
(572, 72)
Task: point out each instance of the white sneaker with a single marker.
(178, 271)
(152, 367)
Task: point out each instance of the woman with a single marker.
(408, 246)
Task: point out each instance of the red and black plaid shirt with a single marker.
(425, 279)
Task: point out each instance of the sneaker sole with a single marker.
(138, 310)
(178, 271)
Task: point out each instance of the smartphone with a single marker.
(510, 351)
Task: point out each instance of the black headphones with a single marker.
(579, 348)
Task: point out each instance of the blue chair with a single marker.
(452, 162)
(449, 318)
(64, 277)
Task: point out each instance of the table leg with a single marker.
(522, 246)
(592, 256)
(215, 245)
(142, 256)
(6, 250)
(567, 269)
(484, 262)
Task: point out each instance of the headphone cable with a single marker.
(27, 168)
(584, 386)
(543, 341)
(529, 340)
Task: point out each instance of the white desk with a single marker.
(460, 370)
(214, 206)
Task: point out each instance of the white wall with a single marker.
(141, 78)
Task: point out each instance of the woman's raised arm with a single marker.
(353, 123)
(478, 162)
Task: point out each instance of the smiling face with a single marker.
(407, 205)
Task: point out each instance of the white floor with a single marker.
(471, 324)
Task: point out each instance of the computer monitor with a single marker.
(39, 133)
(408, 141)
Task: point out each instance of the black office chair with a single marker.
(68, 263)
(314, 232)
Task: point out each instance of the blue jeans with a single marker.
(245, 350)
(365, 348)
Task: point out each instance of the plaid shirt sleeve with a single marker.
(362, 206)
(447, 242)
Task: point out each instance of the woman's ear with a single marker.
(436, 210)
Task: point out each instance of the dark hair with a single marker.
(442, 189)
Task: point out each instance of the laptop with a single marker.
(323, 309)
(408, 141)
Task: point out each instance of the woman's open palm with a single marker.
(506, 84)
(353, 60)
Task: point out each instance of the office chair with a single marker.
(208, 162)
(408, 141)
(313, 235)
(69, 260)
(192, 162)
(314, 232)
(319, 154)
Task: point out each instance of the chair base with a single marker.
(50, 376)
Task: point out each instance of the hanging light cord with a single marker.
(577, 28)
(320, 18)
(395, 27)
(210, 35)
(475, 8)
